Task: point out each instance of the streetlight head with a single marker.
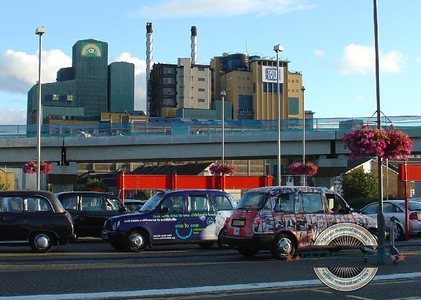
(223, 93)
(40, 30)
(278, 48)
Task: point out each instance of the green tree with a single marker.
(96, 184)
(359, 188)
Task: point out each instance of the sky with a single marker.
(331, 42)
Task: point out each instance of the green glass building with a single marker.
(86, 89)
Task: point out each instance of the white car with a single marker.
(396, 208)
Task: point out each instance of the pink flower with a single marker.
(387, 144)
(32, 167)
(219, 169)
(299, 168)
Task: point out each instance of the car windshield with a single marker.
(252, 200)
(152, 202)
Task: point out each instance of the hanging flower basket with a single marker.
(299, 168)
(219, 169)
(387, 144)
(31, 167)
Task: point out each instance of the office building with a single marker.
(250, 84)
(85, 90)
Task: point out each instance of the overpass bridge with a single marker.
(188, 140)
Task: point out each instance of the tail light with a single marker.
(413, 216)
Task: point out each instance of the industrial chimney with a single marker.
(149, 57)
(193, 45)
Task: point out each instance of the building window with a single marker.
(293, 107)
(70, 98)
(55, 97)
(200, 69)
(201, 89)
(200, 100)
(200, 79)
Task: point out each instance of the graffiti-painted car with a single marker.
(172, 217)
(286, 218)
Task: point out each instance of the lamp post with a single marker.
(39, 31)
(381, 253)
(223, 94)
(278, 48)
(304, 135)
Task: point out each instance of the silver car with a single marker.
(396, 208)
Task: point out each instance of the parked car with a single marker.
(90, 210)
(284, 219)
(134, 204)
(36, 218)
(172, 217)
(396, 208)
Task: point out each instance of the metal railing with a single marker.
(160, 126)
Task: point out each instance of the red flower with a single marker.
(388, 144)
(299, 168)
(32, 167)
(219, 169)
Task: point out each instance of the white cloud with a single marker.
(206, 8)
(19, 70)
(360, 59)
(140, 78)
(319, 53)
(13, 116)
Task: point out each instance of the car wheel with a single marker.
(206, 245)
(221, 243)
(41, 242)
(399, 234)
(136, 241)
(247, 251)
(283, 247)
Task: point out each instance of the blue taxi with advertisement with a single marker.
(172, 217)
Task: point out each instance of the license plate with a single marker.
(236, 231)
(238, 223)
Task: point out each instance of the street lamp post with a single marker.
(304, 135)
(278, 48)
(39, 31)
(381, 252)
(223, 94)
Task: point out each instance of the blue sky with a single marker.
(330, 41)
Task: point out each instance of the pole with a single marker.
(39, 31)
(277, 49)
(381, 254)
(223, 94)
(304, 136)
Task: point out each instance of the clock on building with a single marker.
(91, 50)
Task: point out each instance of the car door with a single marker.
(201, 217)
(169, 224)
(391, 210)
(92, 215)
(12, 219)
(310, 220)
